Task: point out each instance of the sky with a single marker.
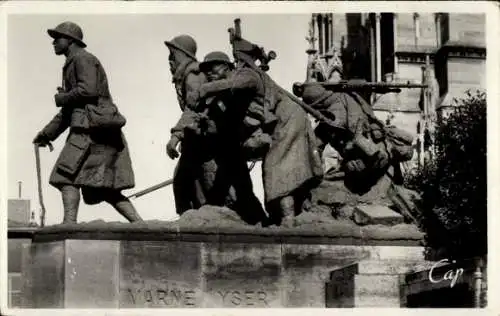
(132, 51)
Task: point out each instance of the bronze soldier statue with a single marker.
(95, 157)
(195, 170)
(367, 147)
(291, 164)
(234, 120)
(257, 124)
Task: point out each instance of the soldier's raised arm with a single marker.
(193, 83)
(245, 79)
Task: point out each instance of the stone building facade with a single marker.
(446, 51)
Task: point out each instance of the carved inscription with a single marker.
(243, 298)
(162, 297)
(175, 297)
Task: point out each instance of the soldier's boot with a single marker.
(127, 210)
(71, 201)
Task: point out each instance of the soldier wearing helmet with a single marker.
(184, 69)
(195, 164)
(367, 146)
(95, 158)
(239, 130)
(256, 141)
(289, 163)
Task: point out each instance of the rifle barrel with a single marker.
(372, 85)
(237, 28)
(151, 189)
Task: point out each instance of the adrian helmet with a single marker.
(314, 93)
(215, 57)
(184, 43)
(69, 30)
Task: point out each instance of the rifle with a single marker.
(151, 189)
(258, 53)
(353, 86)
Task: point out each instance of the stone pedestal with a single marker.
(377, 281)
(134, 267)
(73, 273)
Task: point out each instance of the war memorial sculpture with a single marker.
(335, 236)
(227, 107)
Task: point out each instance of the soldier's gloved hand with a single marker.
(41, 140)
(59, 99)
(355, 165)
(172, 147)
(377, 133)
(381, 159)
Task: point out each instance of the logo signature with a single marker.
(451, 275)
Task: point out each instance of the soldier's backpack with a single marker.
(399, 141)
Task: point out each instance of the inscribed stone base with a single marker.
(185, 270)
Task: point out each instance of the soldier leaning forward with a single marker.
(291, 162)
(195, 171)
(258, 123)
(95, 157)
(365, 143)
(226, 123)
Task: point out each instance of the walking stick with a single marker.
(39, 178)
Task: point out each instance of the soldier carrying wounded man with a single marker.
(259, 108)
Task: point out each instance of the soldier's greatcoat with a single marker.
(292, 161)
(106, 163)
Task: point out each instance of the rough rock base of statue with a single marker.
(384, 202)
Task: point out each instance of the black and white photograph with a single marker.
(247, 155)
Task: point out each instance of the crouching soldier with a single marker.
(366, 145)
(95, 158)
(258, 124)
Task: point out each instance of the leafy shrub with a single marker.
(453, 184)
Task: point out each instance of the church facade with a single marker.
(445, 51)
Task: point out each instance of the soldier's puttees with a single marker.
(95, 158)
